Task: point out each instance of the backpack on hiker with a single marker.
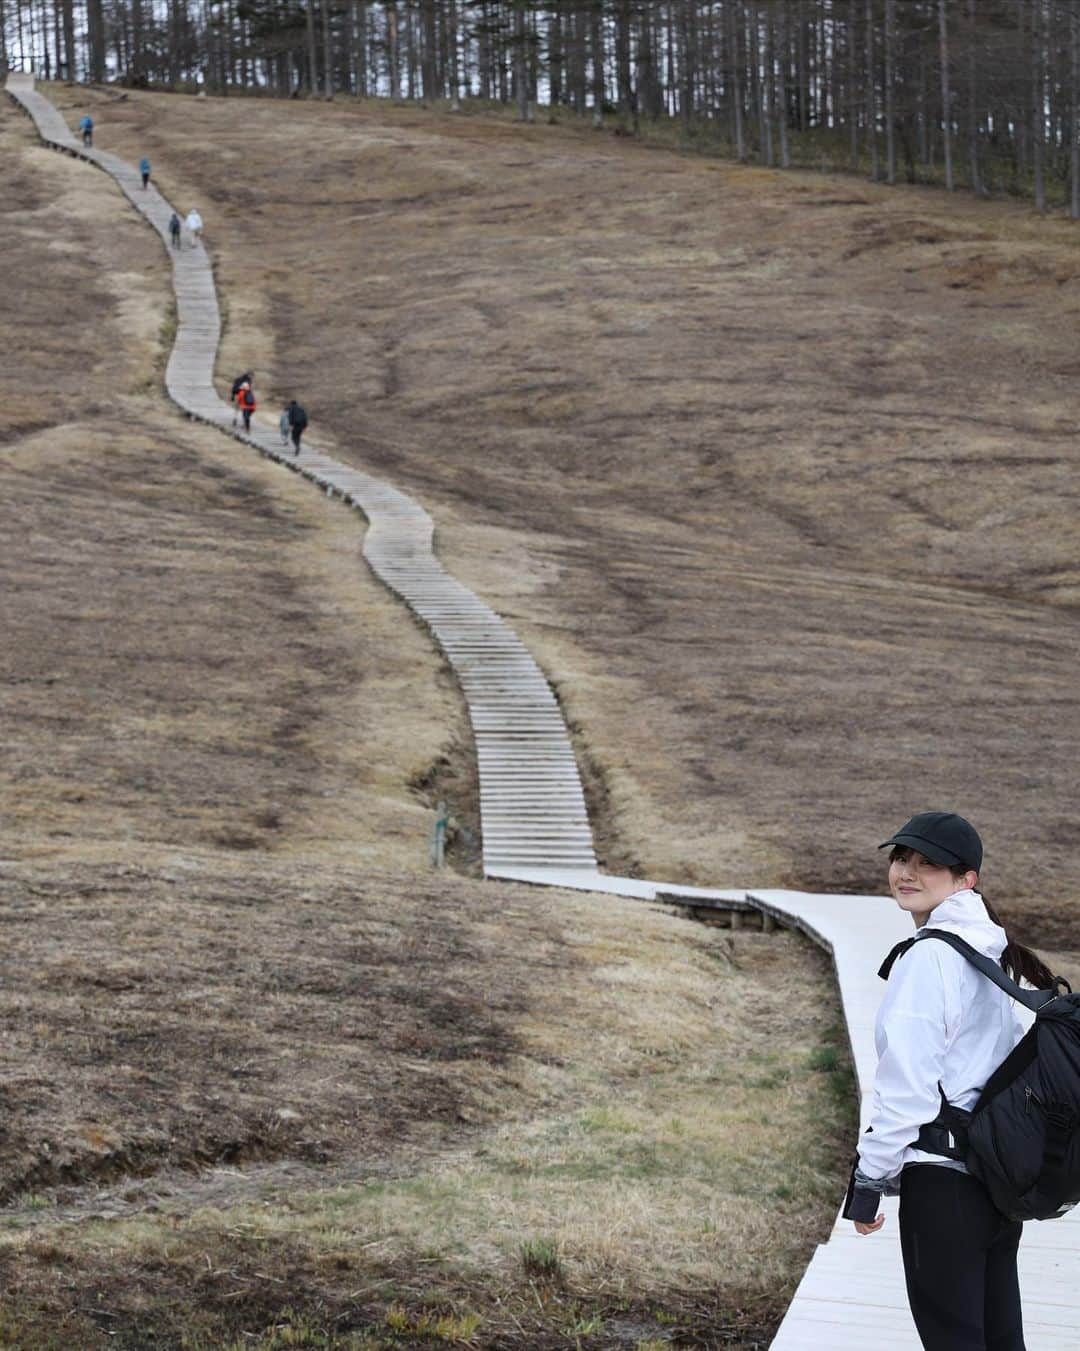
(1022, 1137)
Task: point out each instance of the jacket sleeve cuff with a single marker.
(862, 1204)
(863, 1198)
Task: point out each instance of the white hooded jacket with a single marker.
(940, 1022)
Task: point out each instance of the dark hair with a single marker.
(1020, 962)
(1017, 961)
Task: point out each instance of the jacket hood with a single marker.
(963, 913)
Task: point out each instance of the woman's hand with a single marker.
(871, 1228)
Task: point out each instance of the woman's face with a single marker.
(919, 885)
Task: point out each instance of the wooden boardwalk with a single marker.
(852, 1296)
(536, 828)
(531, 801)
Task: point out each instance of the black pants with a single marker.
(959, 1261)
(246, 414)
(297, 433)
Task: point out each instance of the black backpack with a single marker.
(1023, 1134)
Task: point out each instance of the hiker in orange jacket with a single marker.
(246, 401)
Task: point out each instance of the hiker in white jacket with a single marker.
(941, 1030)
(193, 222)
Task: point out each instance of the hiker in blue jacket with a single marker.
(144, 169)
(86, 126)
(941, 1031)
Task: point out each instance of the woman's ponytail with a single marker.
(1020, 962)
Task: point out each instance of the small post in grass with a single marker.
(438, 835)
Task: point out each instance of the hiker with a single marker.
(174, 230)
(246, 401)
(144, 169)
(941, 1030)
(283, 425)
(86, 126)
(234, 395)
(297, 423)
(194, 223)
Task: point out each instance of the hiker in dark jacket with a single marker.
(297, 423)
(174, 230)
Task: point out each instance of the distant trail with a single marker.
(536, 829)
(532, 805)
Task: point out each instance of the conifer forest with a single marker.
(979, 94)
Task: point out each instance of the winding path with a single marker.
(536, 828)
(532, 805)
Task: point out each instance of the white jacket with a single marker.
(941, 1021)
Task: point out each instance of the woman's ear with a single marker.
(970, 879)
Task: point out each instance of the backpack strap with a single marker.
(947, 1134)
(885, 969)
(1032, 999)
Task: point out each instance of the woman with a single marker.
(941, 1030)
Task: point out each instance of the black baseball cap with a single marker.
(942, 837)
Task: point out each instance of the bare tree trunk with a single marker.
(313, 73)
(19, 37)
(453, 55)
(393, 53)
(735, 57)
(1038, 101)
(890, 91)
(521, 83)
(871, 94)
(647, 81)
(853, 81)
(688, 48)
(429, 58)
(973, 103)
(627, 107)
(328, 53)
(411, 72)
(597, 52)
(578, 65)
(781, 88)
(360, 46)
(946, 94)
(555, 57)
(95, 37)
(1074, 129)
(58, 38)
(71, 69)
(765, 87)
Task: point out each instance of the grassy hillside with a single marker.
(772, 471)
(267, 1081)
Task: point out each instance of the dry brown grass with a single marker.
(769, 471)
(265, 1078)
(667, 1104)
(772, 471)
